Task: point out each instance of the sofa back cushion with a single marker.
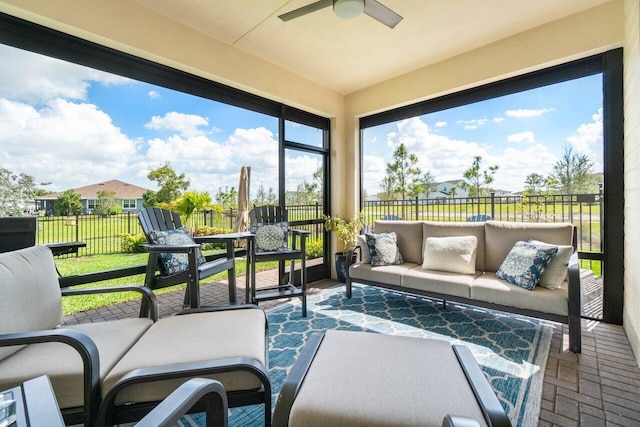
(30, 297)
(501, 236)
(409, 234)
(446, 229)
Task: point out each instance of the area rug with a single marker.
(511, 350)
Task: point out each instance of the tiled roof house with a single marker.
(130, 196)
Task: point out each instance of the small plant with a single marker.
(131, 243)
(315, 249)
(206, 230)
(347, 230)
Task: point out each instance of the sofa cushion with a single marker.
(192, 338)
(445, 229)
(388, 274)
(489, 288)
(383, 249)
(556, 271)
(30, 298)
(409, 235)
(501, 236)
(63, 364)
(455, 254)
(442, 282)
(525, 263)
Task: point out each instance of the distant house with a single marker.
(445, 190)
(130, 196)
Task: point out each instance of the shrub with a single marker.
(206, 230)
(131, 243)
(315, 249)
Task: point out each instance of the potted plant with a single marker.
(347, 231)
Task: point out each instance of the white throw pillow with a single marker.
(454, 254)
(556, 271)
(365, 255)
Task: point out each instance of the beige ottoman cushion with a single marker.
(366, 379)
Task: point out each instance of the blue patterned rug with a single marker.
(512, 350)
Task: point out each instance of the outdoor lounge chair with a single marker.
(117, 371)
(272, 235)
(174, 263)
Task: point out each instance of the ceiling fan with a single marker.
(348, 9)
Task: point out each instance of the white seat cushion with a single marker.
(194, 337)
(389, 274)
(64, 365)
(439, 281)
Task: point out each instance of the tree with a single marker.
(193, 202)
(171, 186)
(403, 175)
(534, 183)
(475, 180)
(265, 197)
(15, 191)
(387, 186)
(227, 198)
(107, 202)
(573, 172)
(68, 203)
(428, 183)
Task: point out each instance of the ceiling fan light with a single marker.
(348, 9)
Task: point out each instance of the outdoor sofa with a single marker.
(445, 269)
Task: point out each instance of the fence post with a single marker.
(416, 208)
(493, 204)
(77, 228)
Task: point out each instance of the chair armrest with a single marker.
(170, 248)
(350, 252)
(458, 421)
(218, 308)
(87, 350)
(299, 232)
(147, 295)
(178, 403)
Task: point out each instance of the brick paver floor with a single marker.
(599, 387)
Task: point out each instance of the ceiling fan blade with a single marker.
(297, 13)
(381, 13)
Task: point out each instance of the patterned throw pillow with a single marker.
(175, 262)
(270, 237)
(383, 248)
(525, 264)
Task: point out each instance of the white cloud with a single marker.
(587, 139)
(154, 94)
(522, 138)
(88, 147)
(186, 124)
(498, 119)
(440, 124)
(37, 79)
(472, 124)
(524, 113)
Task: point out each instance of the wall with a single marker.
(631, 314)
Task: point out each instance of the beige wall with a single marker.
(631, 313)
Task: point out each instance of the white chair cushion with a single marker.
(455, 254)
(30, 293)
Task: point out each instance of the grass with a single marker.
(92, 264)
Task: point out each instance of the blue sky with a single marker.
(521, 133)
(74, 126)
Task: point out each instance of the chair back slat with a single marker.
(158, 219)
(268, 214)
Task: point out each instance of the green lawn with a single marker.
(92, 264)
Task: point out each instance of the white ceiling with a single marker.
(348, 55)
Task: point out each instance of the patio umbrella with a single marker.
(242, 217)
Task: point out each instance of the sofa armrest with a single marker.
(147, 295)
(575, 304)
(87, 350)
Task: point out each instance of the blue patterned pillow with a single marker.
(525, 264)
(383, 248)
(270, 237)
(175, 262)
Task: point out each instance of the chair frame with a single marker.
(156, 278)
(274, 214)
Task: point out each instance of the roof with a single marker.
(122, 189)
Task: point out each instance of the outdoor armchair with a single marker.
(117, 371)
(175, 257)
(276, 241)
